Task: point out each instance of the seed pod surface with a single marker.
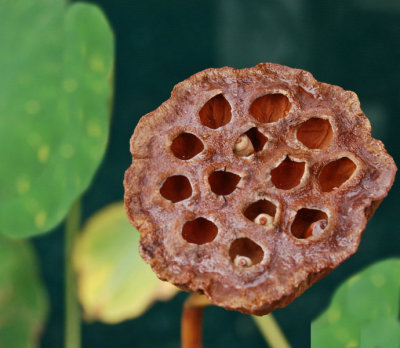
(250, 185)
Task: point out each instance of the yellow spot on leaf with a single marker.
(40, 219)
(97, 64)
(70, 85)
(352, 344)
(43, 153)
(94, 130)
(334, 315)
(67, 150)
(378, 280)
(354, 279)
(23, 185)
(32, 107)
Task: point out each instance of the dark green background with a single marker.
(351, 43)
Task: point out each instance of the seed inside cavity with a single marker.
(316, 228)
(263, 219)
(242, 261)
(245, 248)
(309, 222)
(243, 146)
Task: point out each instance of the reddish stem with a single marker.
(192, 321)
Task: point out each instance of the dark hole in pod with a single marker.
(288, 174)
(336, 173)
(199, 231)
(257, 138)
(176, 188)
(186, 145)
(216, 112)
(315, 133)
(262, 206)
(309, 222)
(222, 182)
(270, 108)
(245, 253)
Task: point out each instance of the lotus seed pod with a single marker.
(250, 185)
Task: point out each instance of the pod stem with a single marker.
(192, 324)
(192, 321)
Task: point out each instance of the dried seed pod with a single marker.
(316, 173)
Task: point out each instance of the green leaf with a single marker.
(56, 67)
(23, 300)
(382, 333)
(364, 311)
(114, 283)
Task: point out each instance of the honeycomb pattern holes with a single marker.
(199, 231)
(222, 182)
(308, 222)
(247, 248)
(288, 174)
(315, 133)
(216, 112)
(262, 206)
(336, 173)
(270, 108)
(186, 146)
(176, 188)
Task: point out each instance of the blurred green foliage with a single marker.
(55, 92)
(364, 311)
(114, 283)
(23, 300)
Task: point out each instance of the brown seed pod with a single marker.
(253, 226)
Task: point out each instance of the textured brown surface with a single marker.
(299, 186)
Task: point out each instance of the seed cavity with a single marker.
(288, 174)
(249, 142)
(222, 182)
(262, 212)
(176, 188)
(216, 112)
(243, 146)
(242, 261)
(245, 253)
(315, 133)
(308, 223)
(199, 231)
(336, 173)
(186, 145)
(270, 108)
